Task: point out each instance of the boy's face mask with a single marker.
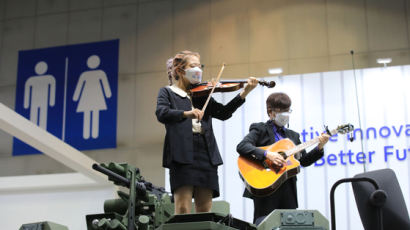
(282, 119)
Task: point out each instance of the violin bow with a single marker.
(213, 88)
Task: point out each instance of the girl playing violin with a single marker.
(190, 150)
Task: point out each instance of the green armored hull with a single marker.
(46, 225)
(148, 207)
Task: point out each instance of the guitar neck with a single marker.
(307, 144)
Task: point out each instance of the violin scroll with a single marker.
(269, 84)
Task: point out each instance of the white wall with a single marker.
(61, 198)
(319, 99)
(301, 36)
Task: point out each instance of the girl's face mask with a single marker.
(194, 75)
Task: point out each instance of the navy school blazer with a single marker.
(178, 144)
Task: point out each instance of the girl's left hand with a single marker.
(251, 84)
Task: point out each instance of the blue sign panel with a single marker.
(70, 91)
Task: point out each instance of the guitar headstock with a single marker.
(343, 129)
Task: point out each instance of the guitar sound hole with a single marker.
(283, 155)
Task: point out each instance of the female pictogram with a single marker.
(90, 91)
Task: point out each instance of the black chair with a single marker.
(394, 210)
(379, 200)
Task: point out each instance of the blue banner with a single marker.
(70, 91)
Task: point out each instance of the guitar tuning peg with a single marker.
(351, 138)
(327, 129)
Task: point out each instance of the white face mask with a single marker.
(281, 119)
(194, 75)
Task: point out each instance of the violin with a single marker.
(209, 88)
(203, 89)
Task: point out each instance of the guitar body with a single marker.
(261, 179)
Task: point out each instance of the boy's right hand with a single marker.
(275, 158)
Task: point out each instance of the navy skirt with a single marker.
(201, 173)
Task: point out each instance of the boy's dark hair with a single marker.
(278, 101)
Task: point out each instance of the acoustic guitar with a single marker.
(262, 178)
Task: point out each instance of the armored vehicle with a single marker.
(144, 206)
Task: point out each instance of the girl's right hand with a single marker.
(195, 113)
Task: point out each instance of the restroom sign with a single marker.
(70, 91)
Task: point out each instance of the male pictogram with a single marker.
(39, 93)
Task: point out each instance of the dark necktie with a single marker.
(279, 133)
